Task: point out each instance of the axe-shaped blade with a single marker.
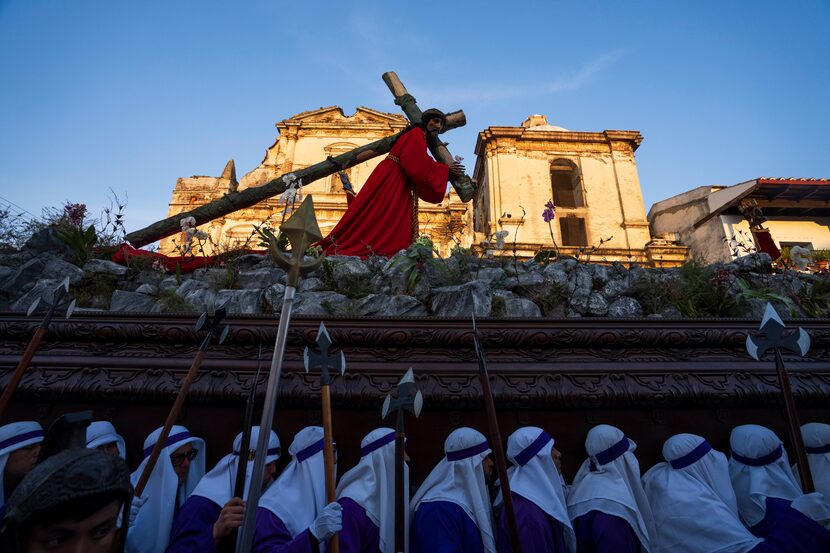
(53, 304)
(409, 398)
(211, 325)
(323, 359)
(773, 335)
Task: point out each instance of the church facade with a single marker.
(590, 177)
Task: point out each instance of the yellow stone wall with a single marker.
(514, 171)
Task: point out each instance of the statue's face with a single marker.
(97, 533)
(435, 125)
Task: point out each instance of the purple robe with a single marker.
(598, 532)
(444, 527)
(193, 526)
(794, 532)
(359, 534)
(538, 531)
(271, 536)
(775, 507)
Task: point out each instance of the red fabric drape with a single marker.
(186, 264)
(765, 243)
(379, 218)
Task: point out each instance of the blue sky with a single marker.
(132, 95)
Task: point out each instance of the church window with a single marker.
(572, 230)
(567, 186)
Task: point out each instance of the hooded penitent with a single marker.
(371, 483)
(299, 494)
(609, 482)
(692, 500)
(151, 530)
(458, 478)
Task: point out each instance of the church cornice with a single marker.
(517, 135)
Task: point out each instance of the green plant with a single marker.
(550, 297)
(94, 288)
(815, 298)
(821, 255)
(746, 293)
(415, 260)
(80, 240)
(265, 233)
(705, 293)
(171, 302)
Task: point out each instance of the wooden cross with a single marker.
(464, 186)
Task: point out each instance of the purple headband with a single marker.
(610, 454)
(468, 452)
(377, 444)
(304, 454)
(269, 453)
(818, 449)
(774, 455)
(692, 457)
(20, 438)
(175, 438)
(530, 451)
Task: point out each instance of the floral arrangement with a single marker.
(79, 239)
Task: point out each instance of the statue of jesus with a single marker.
(381, 219)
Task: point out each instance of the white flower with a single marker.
(500, 236)
(187, 222)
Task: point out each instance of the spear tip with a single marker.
(771, 317)
(407, 377)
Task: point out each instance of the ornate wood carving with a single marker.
(535, 364)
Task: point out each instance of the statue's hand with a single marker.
(456, 169)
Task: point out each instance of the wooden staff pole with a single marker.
(20, 370)
(328, 458)
(794, 425)
(501, 463)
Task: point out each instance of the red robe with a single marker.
(379, 219)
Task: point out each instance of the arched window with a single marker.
(335, 184)
(567, 186)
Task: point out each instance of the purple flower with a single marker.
(75, 213)
(549, 214)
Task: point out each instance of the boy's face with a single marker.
(21, 461)
(110, 448)
(97, 533)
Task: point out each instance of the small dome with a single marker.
(540, 123)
